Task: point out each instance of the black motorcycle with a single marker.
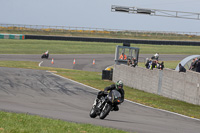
(105, 104)
(45, 56)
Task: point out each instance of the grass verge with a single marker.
(9, 46)
(23, 123)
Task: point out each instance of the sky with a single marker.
(97, 14)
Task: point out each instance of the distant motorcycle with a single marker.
(45, 56)
(156, 56)
(105, 104)
(153, 57)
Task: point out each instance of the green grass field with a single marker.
(73, 47)
(24, 123)
(14, 123)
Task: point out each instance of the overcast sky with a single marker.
(97, 14)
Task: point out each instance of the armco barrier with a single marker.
(167, 82)
(88, 39)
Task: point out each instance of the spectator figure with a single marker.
(123, 57)
(157, 65)
(134, 62)
(147, 63)
(129, 62)
(198, 66)
(181, 68)
(153, 65)
(161, 65)
(193, 65)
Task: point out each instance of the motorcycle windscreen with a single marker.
(116, 96)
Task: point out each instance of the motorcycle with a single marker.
(105, 104)
(156, 58)
(45, 56)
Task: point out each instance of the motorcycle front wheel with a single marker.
(105, 111)
(93, 113)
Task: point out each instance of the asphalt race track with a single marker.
(82, 62)
(38, 92)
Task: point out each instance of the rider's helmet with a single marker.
(119, 84)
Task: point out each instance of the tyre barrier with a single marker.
(88, 39)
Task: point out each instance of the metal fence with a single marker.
(69, 29)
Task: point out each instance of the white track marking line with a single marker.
(40, 63)
(129, 100)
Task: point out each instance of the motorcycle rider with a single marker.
(117, 86)
(46, 53)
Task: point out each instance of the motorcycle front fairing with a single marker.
(115, 97)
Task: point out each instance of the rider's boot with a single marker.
(115, 108)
